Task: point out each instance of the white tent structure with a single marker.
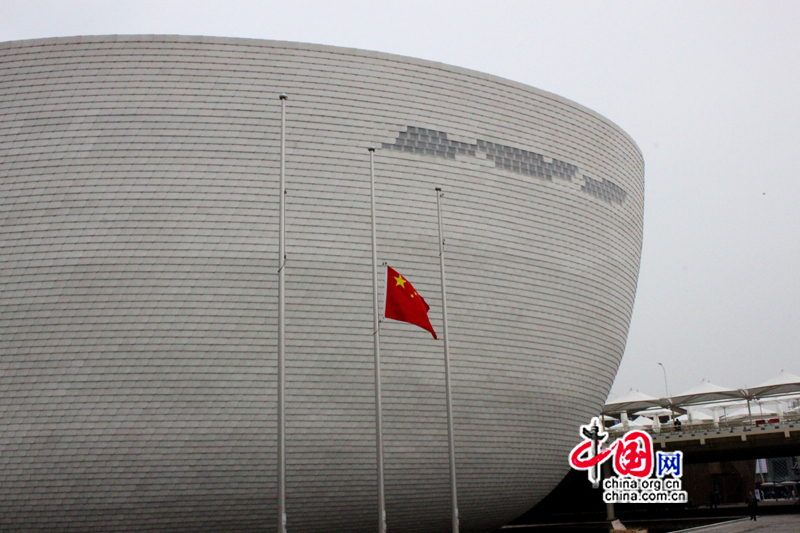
(705, 392)
(756, 410)
(767, 400)
(639, 422)
(697, 416)
(642, 421)
(783, 383)
(633, 400)
(651, 413)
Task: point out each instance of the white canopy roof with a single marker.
(633, 400)
(783, 383)
(698, 416)
(739, 412)
(705, 392)
(767, 409)
(639, 422)
(650, 413)
(642, 421)
(757, 410)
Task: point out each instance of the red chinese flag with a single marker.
(404, 304)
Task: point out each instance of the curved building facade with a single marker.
(138, 284)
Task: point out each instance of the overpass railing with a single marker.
(743, 423)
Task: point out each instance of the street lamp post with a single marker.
(666, 388)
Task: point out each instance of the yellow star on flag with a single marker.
(400, 281)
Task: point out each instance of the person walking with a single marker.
(752, 505)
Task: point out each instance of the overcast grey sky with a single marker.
(709, 90)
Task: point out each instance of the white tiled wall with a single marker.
(138, 285)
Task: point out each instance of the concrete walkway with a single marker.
(764, 524)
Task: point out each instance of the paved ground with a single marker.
(764, 524)
(787, 523)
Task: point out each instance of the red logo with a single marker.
(633, 453)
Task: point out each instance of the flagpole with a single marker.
(376, 328)
(281, 330)
(452, 447)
